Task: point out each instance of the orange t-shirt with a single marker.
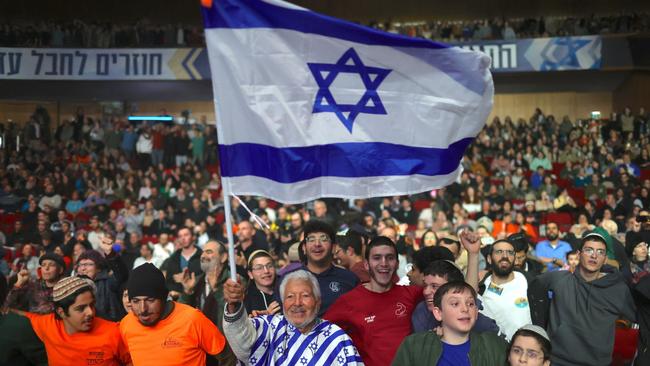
(183, 338)
(101, 346)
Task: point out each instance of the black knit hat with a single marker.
(147, 280)
(53, 257)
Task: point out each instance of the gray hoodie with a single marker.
(583, 315)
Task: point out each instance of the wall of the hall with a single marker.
(573, 104)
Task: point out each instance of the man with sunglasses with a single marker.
(585, 306)
(504, 292)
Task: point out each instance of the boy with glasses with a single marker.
(585, 306)
(259, 294)
(318, 248)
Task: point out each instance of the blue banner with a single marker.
(522, 55)
(542, 54)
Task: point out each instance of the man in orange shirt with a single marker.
(161, 332)
(72, 334)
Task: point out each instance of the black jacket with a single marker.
(172, 266)
(108, 300)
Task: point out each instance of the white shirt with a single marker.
(507, 304)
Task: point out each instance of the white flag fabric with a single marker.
(311, 106)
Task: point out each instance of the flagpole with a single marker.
(231, 241)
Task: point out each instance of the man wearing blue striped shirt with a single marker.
(298, 337)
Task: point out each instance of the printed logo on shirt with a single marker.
(95, 358)
(495, 289)
(400, 310)
(521, 302)
(369, 319)
(171, 342)
(335, 286)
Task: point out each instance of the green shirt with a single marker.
(425, 348)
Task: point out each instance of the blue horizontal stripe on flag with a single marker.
(259, 14)
(349, 160)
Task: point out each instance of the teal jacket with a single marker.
(425, 348)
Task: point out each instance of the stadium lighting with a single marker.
(152, 118)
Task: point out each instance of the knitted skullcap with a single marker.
(69, 285)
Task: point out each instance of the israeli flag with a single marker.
(311, 106)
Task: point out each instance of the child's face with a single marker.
(458, 312)
(573, 260)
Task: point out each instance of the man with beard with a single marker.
(553, 250)
(504, 295)
(523, 263)
(205, 292)
(298, 337)
(318, 248)
(162, 332)
(72, 334)
(377, 314)
(585, 307)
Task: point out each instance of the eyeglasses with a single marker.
(530, 354)
(500, 252)
(88, 264)
(591, 251)
(324, 239)
(261, 267)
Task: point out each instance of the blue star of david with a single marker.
(564, 51)
(350, 62)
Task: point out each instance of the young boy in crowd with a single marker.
(455, 307)
(572, 261)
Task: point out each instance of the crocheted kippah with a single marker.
(67, 286)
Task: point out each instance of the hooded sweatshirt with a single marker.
(583, 315)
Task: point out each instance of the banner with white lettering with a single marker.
(104, 64)
(522, 55)
(542, 54)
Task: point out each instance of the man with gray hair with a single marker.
(297, 337)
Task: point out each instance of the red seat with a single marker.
(625, 344)
(645, 174)
(557, 168)
(560, 218)
(9, 254)
(212, 168)
(578, 195)
(420, 205)
(496, 181)
(117, 205)
(220, 217)
(563, 183)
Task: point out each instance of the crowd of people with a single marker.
(98, 34)
(114, 251)
(510, 29)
